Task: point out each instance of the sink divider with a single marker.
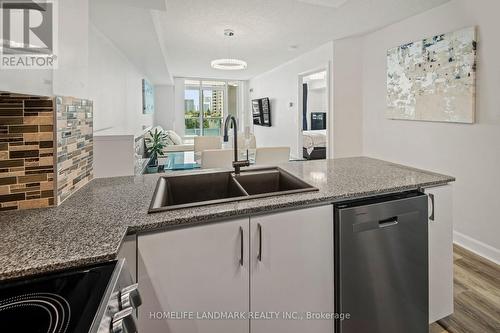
(237, 183)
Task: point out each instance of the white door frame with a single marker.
(329, 114)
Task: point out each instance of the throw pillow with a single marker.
(168, 140)
(176, 139)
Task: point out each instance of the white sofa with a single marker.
(174, 142)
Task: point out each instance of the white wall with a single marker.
(36, 82)
(317, 101)
(113, 156)
(281, 85)
(471, 153)
(244, 114)
(178, 119)
(347, 97)
(115, 86)
(164, 106)
(317, 98)
(70, 77)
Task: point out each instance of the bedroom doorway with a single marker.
(314, 114)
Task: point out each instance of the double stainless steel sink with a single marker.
(191, 190)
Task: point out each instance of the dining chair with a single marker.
(246, 141)
(217, 158)
(202, 143)
(271, 155)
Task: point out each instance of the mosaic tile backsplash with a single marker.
(74, 145)
(26, 151)
(46, 149)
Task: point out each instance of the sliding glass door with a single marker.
(204, 107)
(214, 101)
(192, 115)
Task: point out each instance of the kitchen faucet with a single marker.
(236, 164)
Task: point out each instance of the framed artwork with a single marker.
(148, 97)
(261, 111)
(256, 112)
(433, 79)
(265, 111)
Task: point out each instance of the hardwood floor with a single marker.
(476, 293)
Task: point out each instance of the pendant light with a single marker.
(229, 64)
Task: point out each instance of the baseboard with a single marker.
(484, 250)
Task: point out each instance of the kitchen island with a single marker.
(90, 226)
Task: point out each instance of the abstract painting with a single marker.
(433, 79)
(148, 97)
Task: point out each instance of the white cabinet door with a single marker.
(291, 269)
(440, 252)
(186, 272)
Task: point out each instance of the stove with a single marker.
(96, 299)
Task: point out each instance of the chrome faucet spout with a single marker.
(230, 120)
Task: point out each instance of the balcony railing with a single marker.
(211, 126)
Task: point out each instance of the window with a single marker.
(192, 111)
(206, 103)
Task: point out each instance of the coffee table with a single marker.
(182, 160)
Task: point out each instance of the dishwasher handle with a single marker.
(388, 222)
(385, 214)
(375, 224)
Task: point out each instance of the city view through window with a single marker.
(204, 103)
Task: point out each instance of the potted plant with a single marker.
(155, 144)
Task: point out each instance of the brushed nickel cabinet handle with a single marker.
(259, 228)
(241, 246)
(431, 216)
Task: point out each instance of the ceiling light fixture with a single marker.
(229, 64)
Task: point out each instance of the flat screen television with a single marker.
(261, 111)
(318, 120)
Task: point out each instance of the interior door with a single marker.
(194, 271)
(291, 270)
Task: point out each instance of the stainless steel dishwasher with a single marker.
(381, 264)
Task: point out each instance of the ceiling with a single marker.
(189, 34)
(193, 30)
(129, 25)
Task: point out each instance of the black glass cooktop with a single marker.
(58, 303)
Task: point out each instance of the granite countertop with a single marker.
(89, 226)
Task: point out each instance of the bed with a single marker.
(314, 144)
